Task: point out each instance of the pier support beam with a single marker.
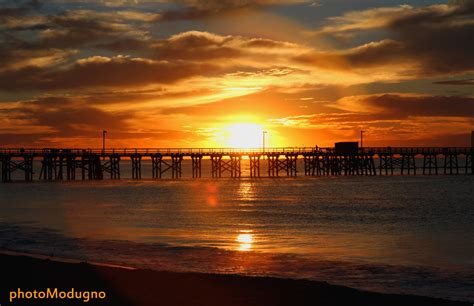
(469, 164)
(136, 166)
(71, 165)
(367, 164)
(430, 163)
(216, 167)
(326, 162)
(156, 160)
(95, 167)
(254, 165)
(277, 165)
(386, 164)
(28, 167)
(196, 160)
(349, 164)
(451, 165)
(112, 166)
(408, 163)
(49, 167)
(308, 161)
(176, 169)
(291, 164)
(159, 166)
(6, 169)
(221, 165)
(273, 161)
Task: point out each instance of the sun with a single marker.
(244, 135)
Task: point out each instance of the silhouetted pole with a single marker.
(103, 141)
(263, 144)
(362, 138)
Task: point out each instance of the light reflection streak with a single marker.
(245, 240)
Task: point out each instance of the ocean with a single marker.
(393, 234)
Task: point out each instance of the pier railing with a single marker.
(147, 151)
(416, 150)
(243, 151)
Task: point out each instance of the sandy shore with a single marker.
(144, 287)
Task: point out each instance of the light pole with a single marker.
(263, 143)
(103, 141)
(362, 138)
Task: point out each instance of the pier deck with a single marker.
(97, 164)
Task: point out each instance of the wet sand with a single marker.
(146, 287)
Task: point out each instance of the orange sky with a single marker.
(219, 73)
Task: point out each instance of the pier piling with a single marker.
(64, 164)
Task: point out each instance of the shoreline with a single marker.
(128, 286)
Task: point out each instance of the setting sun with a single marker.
(244, 135)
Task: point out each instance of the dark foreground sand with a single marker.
(143, 287)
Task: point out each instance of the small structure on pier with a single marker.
(349, 148)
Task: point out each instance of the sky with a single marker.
(218, 73)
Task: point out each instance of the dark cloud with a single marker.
(196, 46)
(103, 72)
(199, 9)
(265, 43)
(124, 44)
(72, 120)
(18, 9)
(456, 82)
(12, 12)
(57, 119)
(402, 106)
(75, 28)
(179, 57)
(433, 40)
(69, 32)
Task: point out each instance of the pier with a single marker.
(97, 164)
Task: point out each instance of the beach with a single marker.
(145, 287)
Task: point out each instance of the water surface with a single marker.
(388, 234)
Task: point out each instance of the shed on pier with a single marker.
(343, 148)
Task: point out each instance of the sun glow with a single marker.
(245, 242)
(244, 135)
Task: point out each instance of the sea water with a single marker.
(396, 234)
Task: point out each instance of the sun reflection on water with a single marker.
(245, 240)
(246, 191)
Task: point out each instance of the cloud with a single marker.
(197, 45)
(205, 46)
(427, 41)
(65, 121)
(198, 9)
(73, 121)
(36, 122)
(18, 59)
(386, 111)
(389, 119)
(456, 82)
(181, 56)
(99, 71)
(75, 28)
(86, 28)
(396, 106)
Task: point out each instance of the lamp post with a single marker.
(263, 143)
(362, 138)
(103, 141)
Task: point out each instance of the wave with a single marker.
(441, 283)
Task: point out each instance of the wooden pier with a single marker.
(97, 164)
